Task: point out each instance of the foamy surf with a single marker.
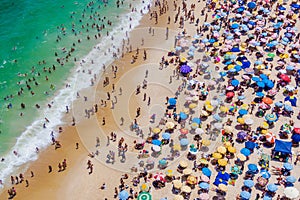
(37, 136)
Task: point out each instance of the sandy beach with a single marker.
(139, 86)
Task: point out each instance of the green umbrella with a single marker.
(144, 196)
(271, 55)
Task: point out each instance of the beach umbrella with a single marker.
(204, 178)
(290, 179)
(221, 149)
(176, 147)
(285, 78)
(291, 192)
(186, 189)
(178, 197)
(217, 117)
(204, 185)
(172, 101)
(235, 26)
(177, 184)
(296, 138)
(185, 69)
(223, 187)
(260, 94)
(251, 5)
(260, 84)
(228, 129)
(166, 136)
(192, 180)
(194, 125)
(271, 117)
(184, 142)
(159, 176)
(252, 167)
(242, 135)
(288, 166)
(204, 196)
(264, 125)
(249, 183)
(269, 84)
(156, 130)
(231, 149)
(267, 100)
(265, 174)
(230, 94)
(192, 105)
(245, 151)
(205, 142)
(144, 196)
(249, 121)
(199, 131)
(218, 126)
(270, 137)
(255, 79)
(272, 187)
(169, 172)
(217, 155)
(288, 108)
(170, 125)
(184, 131)
(222, 162)
(183, 116)
(156, 142)
(245, 195)
(123, 195)
(271, 55)
(235, 82)
(241, 157)
(156, 148)
(243, 112)
(196, 120)
(144, 187)
(250, 145)
(206, 171)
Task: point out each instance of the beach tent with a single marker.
(283, 146)
(292, 100)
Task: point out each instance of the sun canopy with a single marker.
(283, 147)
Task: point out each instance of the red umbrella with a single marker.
(270, 137)
(297, 130)
(159, 177)
(285, 78)
(230, 94)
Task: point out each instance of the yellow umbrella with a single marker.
(177, 184)
(217, 155)
(230, 66)
(183, 59)
(259, 67)
(186, 189)
(207, 102)
(191, 180)
(156, 130)
(176, 147)
(227, 144)
(284, 55)
(241, 157)
(170, 125)
(203, 161)
(224, 109)
(265, 125)
(169, 172)
(228, 129)
(264, 131)
(241, 120)
(231, 149)
(222, 162)
(195, 98)
(221, 149)
(187, 171)
(294, 16)
(209, 108)
(186, 111)
(192, 105)
(245, 106)
(223, 187)
(183, 163)
(205, 142)
(194, 125)
(178, 197)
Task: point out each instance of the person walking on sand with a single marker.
(50, 169)
(97, 141)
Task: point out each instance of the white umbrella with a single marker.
(214, 102)
(156, 148)
(249, 121)
(291, 192)
(218, 126)
(199, 131)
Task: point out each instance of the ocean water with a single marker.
(33, 35)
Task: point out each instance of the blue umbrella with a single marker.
(223, 74)
(296, 6)
(296, 138)
(288, 166)
(246, 64)
(235, 82)
(185, 69)
(172, 101)
(285, 39)
(241, 97)
(270, 45)
(217, 117)
(182, 115)
(123, 195)
(245, 151)
(245, 195)
(178, 48)
(255, 78)
(265, 174)
(267, 197)
(204, 185)
(206, 171)
(260, 94)
(242, 135)
(156, 142)
(162, 162)
(291, 179)
(269, 84)
(196, 120)
(235, 26)
(205, 40)
(238, 68)
(281, 7)
(279, 104)
(271, 117)
(250, 145)
(287, 34)
(166, 136)
(261, 84)
(235, 49)
(212, 40)
(184, 142)
(288, 108)
(263, 76)
(252, 167)
(251, 5)
(258, 62)
(249, 183)
(290, 67)
(272, 187)
(232, 70)
(241, 9)
(243, 112)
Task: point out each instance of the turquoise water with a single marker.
(28, 33)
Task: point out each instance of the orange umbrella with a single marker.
(267, 100)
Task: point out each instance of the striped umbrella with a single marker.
(144, 196)
(270, 137)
